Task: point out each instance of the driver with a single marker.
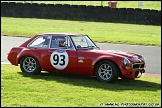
(61, 43)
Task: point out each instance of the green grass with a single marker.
(18, 89)
(98, 31)
(156, 5)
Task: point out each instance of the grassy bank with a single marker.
(98, 31)
(50, 90)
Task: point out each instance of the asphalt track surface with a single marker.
(152, 54)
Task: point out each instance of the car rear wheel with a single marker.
(106, 71)
(30, 65)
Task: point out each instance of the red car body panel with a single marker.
(80, 61)
(72, 65)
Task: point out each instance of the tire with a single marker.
(124, 78)
(106, 71)
(30, 65)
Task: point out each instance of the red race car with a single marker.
(76, 54)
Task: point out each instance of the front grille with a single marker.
(138, 66)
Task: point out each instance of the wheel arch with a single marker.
(115, 64)
(28, 56)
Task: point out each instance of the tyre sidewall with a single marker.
(35, 72)
(114, 75)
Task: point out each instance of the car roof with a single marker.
(60, 34)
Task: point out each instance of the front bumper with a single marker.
(133, 71)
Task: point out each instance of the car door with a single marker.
(85, 61)
(86, 56)
(62, 56)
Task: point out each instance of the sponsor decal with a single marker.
(80, 59)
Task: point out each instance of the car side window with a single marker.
(58, 41)
(40, 42)
(62, 42)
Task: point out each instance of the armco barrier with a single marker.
(81, 12)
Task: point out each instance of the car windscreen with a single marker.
(83, 41)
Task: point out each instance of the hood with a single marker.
(115, 52)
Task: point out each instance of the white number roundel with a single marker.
(59, 59)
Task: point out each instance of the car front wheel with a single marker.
(106, 71)
(30, 65)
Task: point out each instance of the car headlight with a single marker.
(125, 61)
(142, 57)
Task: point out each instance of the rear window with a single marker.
(40, 42)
